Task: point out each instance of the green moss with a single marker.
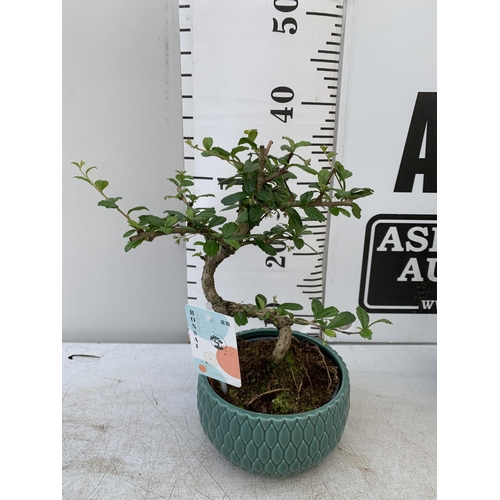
(284, 404)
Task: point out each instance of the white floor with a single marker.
(131, 429)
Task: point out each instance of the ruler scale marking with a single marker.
(203, 39)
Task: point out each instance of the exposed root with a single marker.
(248, 403)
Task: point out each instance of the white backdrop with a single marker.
(122, 113)
(389, 60)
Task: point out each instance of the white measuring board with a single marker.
(273, 66)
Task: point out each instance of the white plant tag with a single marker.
(213, 342)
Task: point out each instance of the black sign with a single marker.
(399, 273)
(422, 135)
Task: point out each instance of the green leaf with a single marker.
(316, 307)
(101, 185)
(366, 333)
(344, 174)
(229, 229)
(382, 320)
(245, 140)
(338, 210)
(109, 203)
(363, 317)
(270, 250)
(302, 144)
(305, 198)
(260, 301)
(248, 186)
(342, 319)
(233, 243)
(216, 221)
(294, 219)
(292, 143)
(233, 198)
(135, 225)
(356, 210)
(298, 242)
(136, 209)
(314, 214)
(82, 178)
(305, 168)
(264, 195)
(89, 169)
(323, 176)
(165, 230)
(208, 142)
(237, 150)
(170, 220)
(132, 244)
(356, 193)
(254, 215)
(327, 312)
(242, 216)
(291, 306)
(221, 152)
(330, 333)
(180, 216)
(240, 318)
(250, 167)
(322, 324)
(204, 213)
(151, 220)
(211, 247)
(252, 134)
(129, 233)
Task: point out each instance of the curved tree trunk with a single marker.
(282, 323)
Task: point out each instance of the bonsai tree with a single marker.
(260, 192)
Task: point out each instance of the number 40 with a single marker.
(282, 95)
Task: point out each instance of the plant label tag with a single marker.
(213, 342)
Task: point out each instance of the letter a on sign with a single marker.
(423, 125)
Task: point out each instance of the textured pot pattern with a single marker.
(275, 445)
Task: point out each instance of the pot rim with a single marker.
(344, 376)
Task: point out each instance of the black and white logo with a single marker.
(399, 272)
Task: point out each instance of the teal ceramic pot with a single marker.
(275, 445)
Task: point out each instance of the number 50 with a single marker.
(285, 6)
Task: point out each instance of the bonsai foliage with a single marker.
(258, 190)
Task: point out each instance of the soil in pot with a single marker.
(304, 380)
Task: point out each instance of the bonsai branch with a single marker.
(263, 154)
(325, 204)
(264, 193)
